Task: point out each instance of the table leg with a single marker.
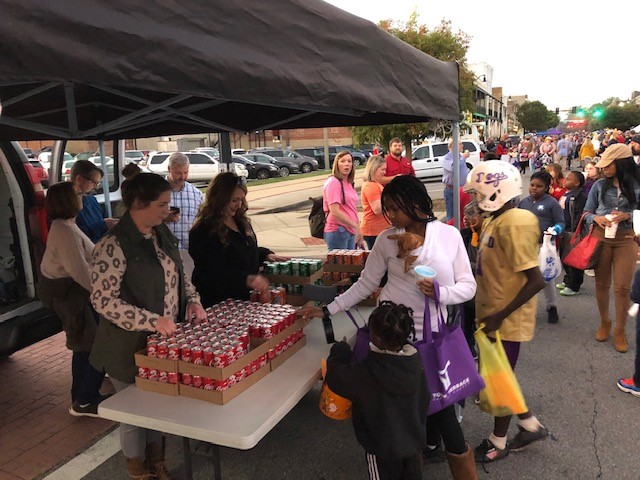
(187, 458)
(215, 459)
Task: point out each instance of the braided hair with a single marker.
(410, 195)
(392, 324)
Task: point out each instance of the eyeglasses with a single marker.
(89, 179)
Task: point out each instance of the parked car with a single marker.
(85, 155)
(257, 170)
(238, 151)
(359, 157)
(202, 167)
(427, 159)
(135, 156)
(285, 165)
(41, 173)
(45, 159)
(313, 152)
(213, 152)
(29, 153)
(23, 234)
(66, 169)
(305, 164)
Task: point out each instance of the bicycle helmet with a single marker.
(494, 183)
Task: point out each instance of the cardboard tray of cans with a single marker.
(288, 353)
(153, 374)
(295, 280)
(220, 397)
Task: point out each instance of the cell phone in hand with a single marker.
(174, 210)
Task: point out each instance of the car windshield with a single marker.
(67, 156)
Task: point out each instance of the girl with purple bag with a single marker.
(409, 208)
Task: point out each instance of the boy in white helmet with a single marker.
(508, 280)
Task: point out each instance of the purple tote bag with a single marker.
(449, 367)
(363, 337)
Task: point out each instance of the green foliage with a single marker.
(442, 43)
(623, 118)
(535, 116)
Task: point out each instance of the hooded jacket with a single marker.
(389, 399)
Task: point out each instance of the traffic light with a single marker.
(580, 113)
(574, 110)
(557, 111)
(598, 112)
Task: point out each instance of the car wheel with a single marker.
(262, 174)
(306, 168)
(356, 162)
(284, 171)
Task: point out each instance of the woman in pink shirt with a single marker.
(340, 202)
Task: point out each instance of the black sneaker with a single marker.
(433, 456)
(553, 315)
(487, 452)
(87, 410)
(525, 437)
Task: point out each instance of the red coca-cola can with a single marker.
(163, 350)
(272, 353)
(232, 380)
(196, 381)
(241, 374)
(263, 360)
(152, 348)
(185, 352)
(153, 374)
(221, 385)
(173, 377)
(173, 351)
(163, 376)
(265, 296)
(254, 296)
(208, 383)
(197, 355)
(143, 372)
(207, 356)
(186, 379)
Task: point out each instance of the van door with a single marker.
(421, 160)
(202, 168)
(439, 151)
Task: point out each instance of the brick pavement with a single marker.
(36, 431)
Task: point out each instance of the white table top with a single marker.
(247, 418)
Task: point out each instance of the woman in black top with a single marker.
(223, 245)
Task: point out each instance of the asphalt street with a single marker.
(568, 380)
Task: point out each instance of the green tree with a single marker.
(535, 116)
(442, 43)
(615, 116)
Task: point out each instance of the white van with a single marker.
(427, 159)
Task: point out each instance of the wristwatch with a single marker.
(325, 311)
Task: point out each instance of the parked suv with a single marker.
(202, 167)
(135, 156)
(305, 164)
(258, 170)
(427, 159)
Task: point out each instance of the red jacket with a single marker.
(403, 166)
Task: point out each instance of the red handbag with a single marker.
(583, 251)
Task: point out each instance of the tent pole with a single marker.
(455, 151)
(105, 179)
(225, 149)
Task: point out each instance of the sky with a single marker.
(562, 53)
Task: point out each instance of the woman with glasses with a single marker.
(86, 176)
(223, 245)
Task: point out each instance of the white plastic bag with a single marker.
(549, 260)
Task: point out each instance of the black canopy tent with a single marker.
(90, 69)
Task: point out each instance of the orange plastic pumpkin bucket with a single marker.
(332, 405)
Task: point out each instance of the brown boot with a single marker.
(603, 331)
(463, 466)
(619, 337)
(155, 460)
(138, 470)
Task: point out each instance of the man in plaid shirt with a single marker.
(187, 198)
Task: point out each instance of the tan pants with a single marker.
(618, 254)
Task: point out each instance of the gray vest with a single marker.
(143, 285)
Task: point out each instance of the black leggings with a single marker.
(443, 426)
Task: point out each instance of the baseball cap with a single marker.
(635, 138)
(614, 152)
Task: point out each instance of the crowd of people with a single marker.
(174, 252)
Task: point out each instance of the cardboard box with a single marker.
(167, 365)
(336, 267)
(273, 342)
(157, 387)
(220, 398)
(257, 350)
(287, 354)
(294, 280)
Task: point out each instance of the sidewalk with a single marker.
(37, 433)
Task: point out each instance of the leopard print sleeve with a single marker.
(192, 295)
(107, 269)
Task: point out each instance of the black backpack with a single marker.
(318, 217)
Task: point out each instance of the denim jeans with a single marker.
(86, 380)
(341, 238)
(448, 202)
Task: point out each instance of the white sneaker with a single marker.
(590, 273)
(560, 286)
(567, 292)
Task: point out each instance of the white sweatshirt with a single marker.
(443, 250)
